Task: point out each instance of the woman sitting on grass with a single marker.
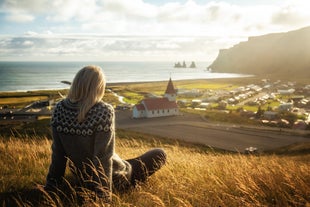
(84, 132)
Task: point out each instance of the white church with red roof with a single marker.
(157, 107)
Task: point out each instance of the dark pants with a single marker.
(141, 168)
(146, 164)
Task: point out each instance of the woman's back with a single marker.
(78, 138)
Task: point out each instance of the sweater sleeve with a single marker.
(104, 149)
(58, 163)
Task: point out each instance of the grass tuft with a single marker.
(193, 176)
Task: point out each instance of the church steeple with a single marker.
(170, 92)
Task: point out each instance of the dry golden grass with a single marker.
(14, 100)
(192, 176)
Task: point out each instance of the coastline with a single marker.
(243, 79)
(49, 75)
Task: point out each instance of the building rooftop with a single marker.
(159, 103)
(140, 107)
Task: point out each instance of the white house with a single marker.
(286, 92)
(270, 115)
(157, 107)
(285, 107)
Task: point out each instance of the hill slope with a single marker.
(285, 54)
(193, 176)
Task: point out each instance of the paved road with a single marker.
(193, 128)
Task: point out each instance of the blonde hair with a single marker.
(87, 89)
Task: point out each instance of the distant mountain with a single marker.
(279, 54)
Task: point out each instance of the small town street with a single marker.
(192, 128)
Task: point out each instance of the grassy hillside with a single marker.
(193, 176)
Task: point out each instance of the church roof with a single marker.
(159, 103)
(140, 107)
(170, 88)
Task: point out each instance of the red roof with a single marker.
(159, 103)
(170, 88)
(140, 107)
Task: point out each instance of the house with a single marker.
(270, 115)
(196, 102)
(286, 92)
(205, 105)
(158, 106)
(189, 93)
(285, 107)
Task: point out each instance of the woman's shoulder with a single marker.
(60, 106)
(104, 106)
(102, 110)
(101, 113)
(63, 103)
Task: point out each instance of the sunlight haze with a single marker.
(137, 30)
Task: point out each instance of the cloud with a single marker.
(20, 17)
(293, 13)
(58, 10)
(31, 33)
(29, 6)
(134, 9)
(136, 17)
(22, 11)
(27, 43)
(122, 29)
(82, 10)
(176, 12)
(71, 47)
(167, 45)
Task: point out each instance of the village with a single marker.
(274, 104)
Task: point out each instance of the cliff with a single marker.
(279, 54)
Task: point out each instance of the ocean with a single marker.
(26, 76)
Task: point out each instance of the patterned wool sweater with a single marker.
(91, 141)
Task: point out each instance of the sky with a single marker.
(139, 30)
